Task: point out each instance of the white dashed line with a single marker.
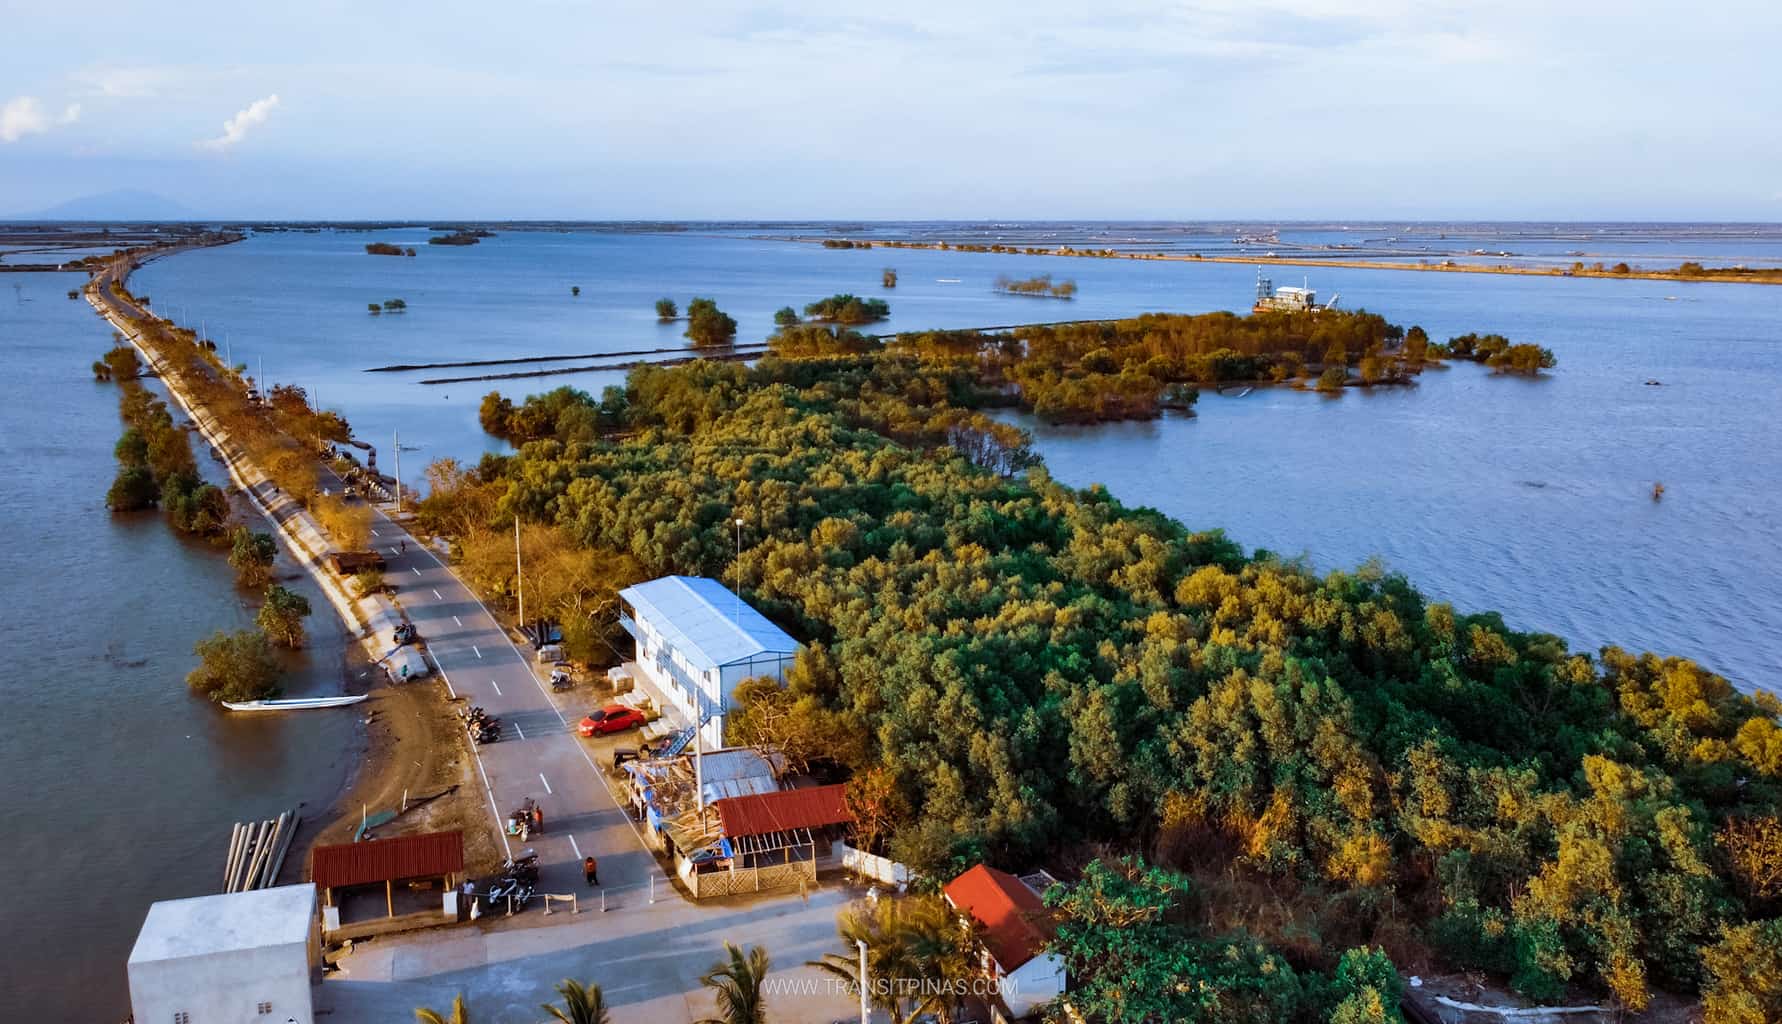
(436, 596)
(497, 688)
(577, 849)
(459, 621)
(478, 650)
(374, 533)
(547, 782)
(412, 569)
(520, 732)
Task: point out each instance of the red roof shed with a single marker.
(387, 860)
(1013, 916)
(782, 811)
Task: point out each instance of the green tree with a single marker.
(785, 316)
(1366, 988)
(369, 582)
(236, 666)
(582, 1004)
(123, 362)
(915, 954)
(736, 983)
(1132, 958)
(133, 490)
(373, 308)
(708, 326)
(281, 616)
(666, 309)
(251, 555)
(1331, 381)
(460, 1014)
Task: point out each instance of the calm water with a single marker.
(1531, 497)
(119, 786)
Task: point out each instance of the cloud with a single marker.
(24, 115)
(236, 128)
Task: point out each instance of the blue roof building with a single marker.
(696, 639)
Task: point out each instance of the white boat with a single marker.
(292, 703)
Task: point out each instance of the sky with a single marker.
(942, 109)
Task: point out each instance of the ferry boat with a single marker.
(1286, 299)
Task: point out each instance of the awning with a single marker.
(783, 811)
(387, 860)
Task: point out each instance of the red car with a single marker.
(612, 718)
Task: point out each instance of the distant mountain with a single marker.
(122, 204)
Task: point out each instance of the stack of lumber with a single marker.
(257, 851)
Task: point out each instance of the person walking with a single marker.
(590, 871)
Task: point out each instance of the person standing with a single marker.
(590, 871)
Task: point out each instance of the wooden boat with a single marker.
(292, 703)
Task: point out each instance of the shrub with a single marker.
(235, 666)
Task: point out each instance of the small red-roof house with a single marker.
(1014, 927)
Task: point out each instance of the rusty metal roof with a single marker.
(766, 813)
(1013, 916)
(380, 860)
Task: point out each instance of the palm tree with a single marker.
(459, 1014)
(736, 983)
(582, 1004)
(912, 944)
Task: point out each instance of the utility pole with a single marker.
(396, 443)
(519, 575)
(865, 1003)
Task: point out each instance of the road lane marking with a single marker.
(494, 812)
(374, 533)
(577, 849)
(436, 596)
(478, 650)
(497, 688)
(519, 731)
(459, 621)
(412, 569)
(547, 782)
(581, 748)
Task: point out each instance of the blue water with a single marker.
(119, 786)
(1531, 497)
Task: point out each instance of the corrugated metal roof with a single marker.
(1013, 916)
(703, 619)
(378, 860)
(766, 813)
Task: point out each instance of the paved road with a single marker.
(539, 755)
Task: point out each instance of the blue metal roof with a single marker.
(703, 620)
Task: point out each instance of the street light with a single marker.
(865, 1005)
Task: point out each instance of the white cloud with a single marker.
(24, 115)
(236, 128)
(20, 117)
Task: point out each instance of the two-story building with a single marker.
(696, 639)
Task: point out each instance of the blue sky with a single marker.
(925, 108)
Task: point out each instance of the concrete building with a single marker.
(696, 639)
(1015, 928)
(238, 956)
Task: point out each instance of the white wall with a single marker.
(225, 988)
(718, 693)
(1032, 985)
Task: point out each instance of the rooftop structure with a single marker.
(1014, 928)
(696, 640)
(232, 956)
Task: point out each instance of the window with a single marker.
(181, 1017)
(265, 1008)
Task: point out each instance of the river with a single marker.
(1531, 497)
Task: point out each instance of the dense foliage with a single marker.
(1029, 667)
(236, 666)
(708, 326)
(281, 616)
(251, 555)
(847, 309)
(1499, 353)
